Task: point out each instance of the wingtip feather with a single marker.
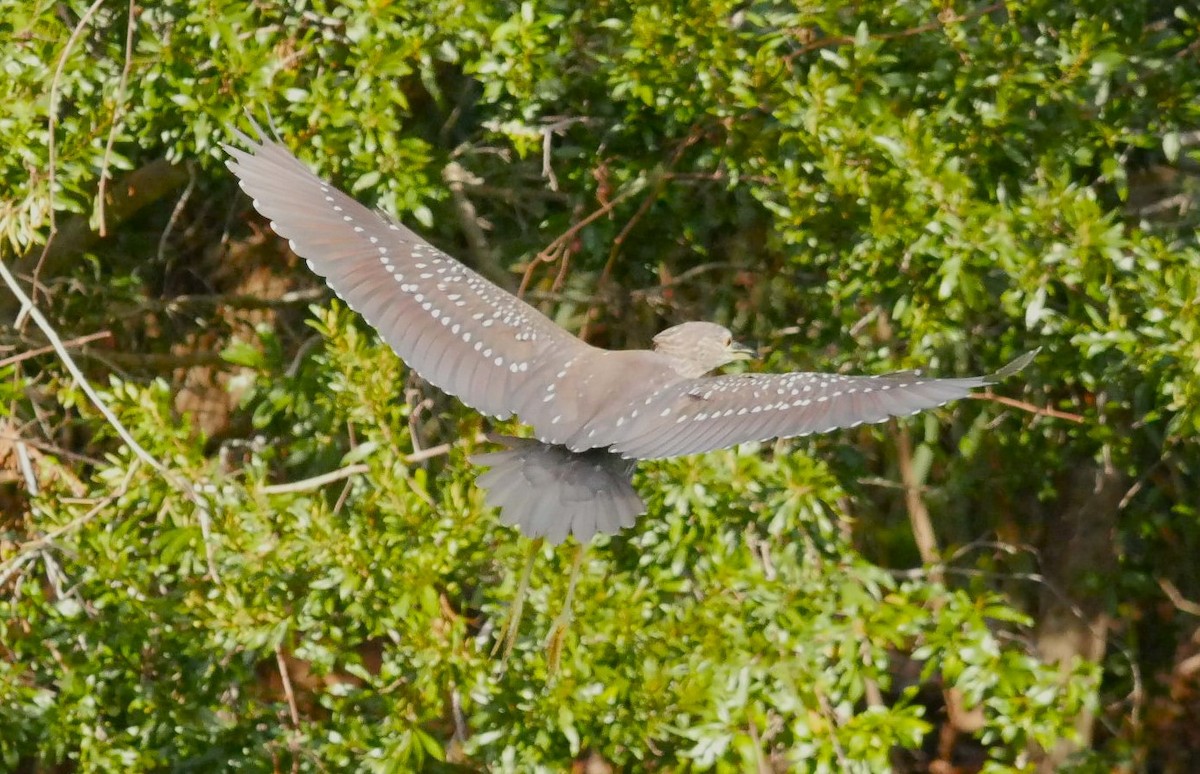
(1016, 366)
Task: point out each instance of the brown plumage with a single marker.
(594, 412)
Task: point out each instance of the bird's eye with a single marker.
(729, 341)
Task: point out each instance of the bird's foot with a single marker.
(558, 629)
(507, 636)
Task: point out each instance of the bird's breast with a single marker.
(594, 400)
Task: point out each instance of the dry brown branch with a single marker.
(175, 480)
(552, 250)
(286, 679)
(130, 194)
(656, 189)
(945, 18)
(918, 514)
(52, 164)
(316, 482)
(1040, 411)
(570, 233)
(69, 343)
(118, 101)
(31, 546)
(293, 711)
(1178, 600)
(760, 760)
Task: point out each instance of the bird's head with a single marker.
(699, 347)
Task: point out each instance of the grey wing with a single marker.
(700, 415)
(456, 329)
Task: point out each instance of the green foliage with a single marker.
(882, 185)
(734, 622)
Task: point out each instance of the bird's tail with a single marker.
(549, 491)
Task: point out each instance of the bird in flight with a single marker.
(594, 412)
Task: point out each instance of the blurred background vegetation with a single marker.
(285, 567)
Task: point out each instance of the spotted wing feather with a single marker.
(456, 329)
(699, 415)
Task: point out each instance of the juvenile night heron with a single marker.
(594, 412)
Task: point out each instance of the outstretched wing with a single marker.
(700, 415)
(456, 329)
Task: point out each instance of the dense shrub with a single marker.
(872, 187)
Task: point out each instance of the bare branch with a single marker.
(52, 169)
(1177, 599)
(31, 546)
(316, 482)
(78, 341)
(552, 250)
(176, 213)
(118, 100)
(286, 679)
(175, 480)
(918, 514)
(944, 19)
(1040, 411)
(130, 194)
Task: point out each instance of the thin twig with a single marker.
(175, 480)
(918, 514)
(177, 304)
(1177, 599)
(13, 565)
(682, 277)
(551, 250)
(832, 720)
(289, 694)
(75, 342)
(26, 466)
(52, 163)
(434, 451)
(760, 760)
(50, 448)
(1041, 411)
(176, 213)
(316, 482)
(844, 40)
(1137, 486)
(118, 101)
(286, 678)
(656, 190)
(31, 546)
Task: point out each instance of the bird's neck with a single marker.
(688, 369)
